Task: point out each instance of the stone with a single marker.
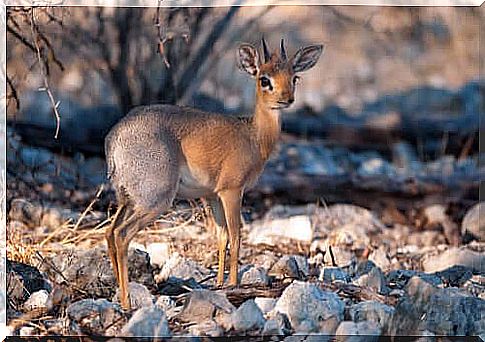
(303, 265)
(265, 304)
(91, 271)
(139, 295)
(455, 276)
(265, 260)
(326, 254)
(427, 238)
(203, 305)
(147, 322)
(159, 253)
(27, 331)
(35, 157)
(455, 312)
(372, 311)
(247, 317)
(286, 267)
(165, 303)
(94, 316)
(278, 324)
(329, 274)
(455, 256)
(39, 300)
(474, 222)
(349, 236)
(448, 311)
(180, 268)
(273, 232)
(25, 211)
(21, 281)
(207, 328)
(374, 280)
(358, 331)
(380, 259)
(399, 278)
(310, 309)
(252, 275)
(357, 219)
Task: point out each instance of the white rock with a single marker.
(329, 274)
(435, 214)
(207, 328)
(159, 253)
(374, 280)
(27, 331)
(474, 221)
(265, 304)
(139, 295)
(338, 215)
(378, 313)
(38, 300)
(455, 256)
(247, 317)
(278, 324)
(165, 302)
(254, 276)
(310, 309)
(147, 322)
(182, 268)
(381, 259)
(272, 232)
(361, 331)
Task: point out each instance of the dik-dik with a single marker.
(160, 152)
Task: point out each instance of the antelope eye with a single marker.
(296, 79)
(265, 82)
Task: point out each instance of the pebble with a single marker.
(474, 221)
(207, 328)
(359, 331)
(286, 267)
(94, 316)
(159, 253)
(372, 311)
(265, 304)
(203, 305)
(248, 317)
(297, 228)
(148, 321)
(38, 300)
(373, 280)
(252, 275)
(310, 309)
(330, 274)
(455, 256)
(182, 268)
(139, 296)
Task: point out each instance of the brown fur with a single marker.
(160, 152)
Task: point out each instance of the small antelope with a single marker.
(160, 152)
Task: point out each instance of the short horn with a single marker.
(283, 51)
(266, 54)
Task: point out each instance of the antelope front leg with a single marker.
(231, 202)
(221, 226)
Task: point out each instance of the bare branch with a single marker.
(13, 94)
(43, 70)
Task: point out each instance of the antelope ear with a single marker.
(248, 59)
(306, 57)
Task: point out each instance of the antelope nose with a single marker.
(291, 100)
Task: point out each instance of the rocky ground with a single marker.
(304, 269)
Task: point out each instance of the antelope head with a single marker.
(276, 74)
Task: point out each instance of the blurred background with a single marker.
(388, 118)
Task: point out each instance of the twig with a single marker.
(13, 93)
(42, 65)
